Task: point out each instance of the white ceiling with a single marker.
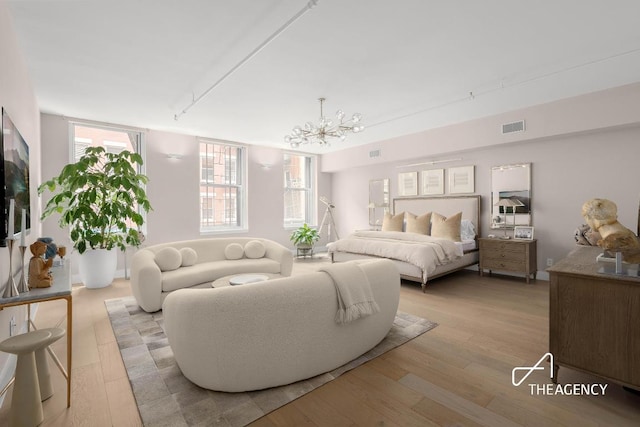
(406, 65)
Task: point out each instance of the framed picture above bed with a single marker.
(461, 180)
(432, 182)
(408, 184)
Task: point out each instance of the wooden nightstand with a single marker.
(508, 255)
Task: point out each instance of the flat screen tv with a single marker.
(15, 179)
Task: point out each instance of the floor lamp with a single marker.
(509, 203)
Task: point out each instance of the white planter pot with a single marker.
(98, 267)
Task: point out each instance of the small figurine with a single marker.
(39, 274)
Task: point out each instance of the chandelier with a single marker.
(326, 129)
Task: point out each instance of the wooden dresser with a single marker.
(508, 255)
(594, 318)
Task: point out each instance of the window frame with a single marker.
(311, 218)
(241, 189)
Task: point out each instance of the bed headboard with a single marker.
(444, 205)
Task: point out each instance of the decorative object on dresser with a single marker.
(518, 256)
(524, 233)
(594, 319)
(602, 216)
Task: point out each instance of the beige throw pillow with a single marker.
(418, 224)
(446, 228)
(189, 257)
(254, 249)
(234, 251)
(392, 223)
(168, 259)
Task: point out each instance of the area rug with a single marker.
(166, 398)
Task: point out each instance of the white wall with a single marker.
(569, 165)
(18, 98)
(173, 187)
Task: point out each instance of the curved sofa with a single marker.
(267, 334)
(150, 284)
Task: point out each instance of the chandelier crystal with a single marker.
(311, 133)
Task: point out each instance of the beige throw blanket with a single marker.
(355, 298)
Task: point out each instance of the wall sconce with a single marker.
(174, 156)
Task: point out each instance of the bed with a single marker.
(406, 249)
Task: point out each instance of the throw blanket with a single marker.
(425, 252)
(355, 298)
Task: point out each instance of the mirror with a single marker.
(510, 195)
(378, 200)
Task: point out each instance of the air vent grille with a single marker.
(513, 127)
(374, 153)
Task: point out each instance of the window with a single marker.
(299, 190)
(222, 187)
(113, 140)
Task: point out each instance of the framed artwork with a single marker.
(408, 184)
(523, 233)
(432, 182)
(461, 180)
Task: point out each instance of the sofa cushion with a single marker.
(254, 249)
(168, 259)
(189, 257)
(206, 272)
(233, 251)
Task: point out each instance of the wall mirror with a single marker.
(511, 195)
(378, 200)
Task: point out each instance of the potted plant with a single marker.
(98, 198)
(304, 237)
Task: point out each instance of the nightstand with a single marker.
(514, 255)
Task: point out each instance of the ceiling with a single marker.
(406, 66)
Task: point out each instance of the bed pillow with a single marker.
(233, 251)
(467, 230)
(168, 259)
(446, 228)
(393, 223)
(189, 257)
(418, 224)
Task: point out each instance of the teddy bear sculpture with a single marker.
(39, 274)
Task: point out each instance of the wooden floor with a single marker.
(458, 374)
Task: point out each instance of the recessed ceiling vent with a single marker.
(513, 127)
(374, 153)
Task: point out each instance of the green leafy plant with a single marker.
(304, 235)
(98, 198)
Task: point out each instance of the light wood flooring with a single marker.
(458, 374)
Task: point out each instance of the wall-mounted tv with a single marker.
(14, 178)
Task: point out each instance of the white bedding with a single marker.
(425, 252)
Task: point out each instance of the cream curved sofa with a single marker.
(150, 285)
(261, 335)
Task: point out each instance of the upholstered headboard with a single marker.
(444, 205)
